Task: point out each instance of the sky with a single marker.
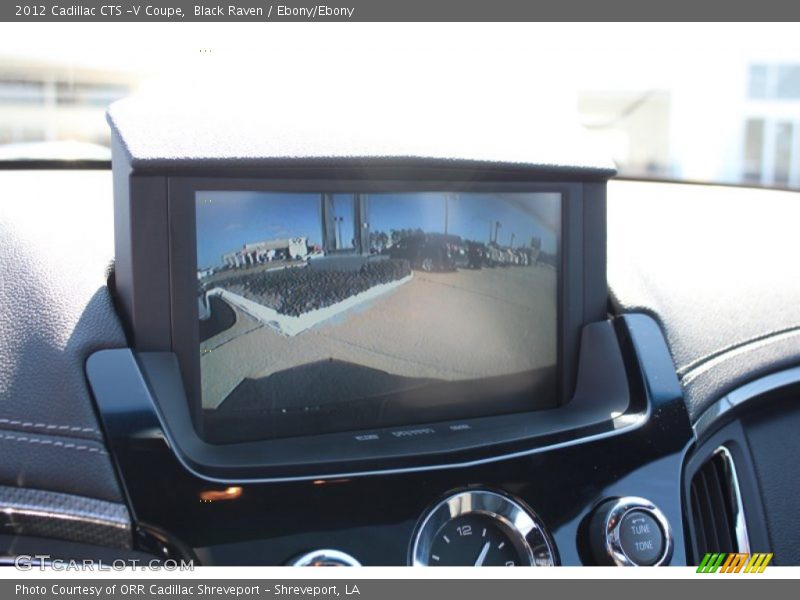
(228, 220)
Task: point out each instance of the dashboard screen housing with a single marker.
(164, 153)
(155, 285)
(574, 307)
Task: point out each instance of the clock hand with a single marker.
(482, 555)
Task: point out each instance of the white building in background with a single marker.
(771, 136)
(266, 251)
(732, 118)
(44, 101)
(687, 110)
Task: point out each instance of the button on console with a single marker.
(641, 538)
(630, 531)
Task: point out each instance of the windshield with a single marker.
(695, 102)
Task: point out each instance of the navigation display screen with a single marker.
(336, 312)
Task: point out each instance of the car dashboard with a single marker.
(704, 316)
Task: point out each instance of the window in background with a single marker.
(757, 82)
(771, 145)
(787, 84)
(783, 152)
(775, 81)
(753, 150)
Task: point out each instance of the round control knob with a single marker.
(630, 532)
(325, 558)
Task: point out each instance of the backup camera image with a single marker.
(338, 312)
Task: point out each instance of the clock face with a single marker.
(481, 528)
(478, 540)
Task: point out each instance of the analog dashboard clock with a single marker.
(481, 528)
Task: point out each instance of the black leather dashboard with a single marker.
(55, 247)
(717, 268)
(700, 259)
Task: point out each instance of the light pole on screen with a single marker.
(338, 221)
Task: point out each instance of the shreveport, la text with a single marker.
(319, 11)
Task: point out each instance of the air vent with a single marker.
(716, 505)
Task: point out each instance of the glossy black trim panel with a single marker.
(373, 517)
(152, 382)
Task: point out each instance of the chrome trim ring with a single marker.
(325, 558)
(611, 530)
(735, 494)
(523, 526)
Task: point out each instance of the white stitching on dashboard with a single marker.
(689, 377)
(65, 445)
(48, 426)
(697, 363)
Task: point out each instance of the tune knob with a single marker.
(325, 558)
(630, 532)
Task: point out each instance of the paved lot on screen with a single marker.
(449, 326)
